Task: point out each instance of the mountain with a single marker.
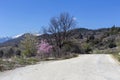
(100, 38)
(14, 41)
(4, 39)
(17, 36)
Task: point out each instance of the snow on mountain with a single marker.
(4, 39)
(17, 36)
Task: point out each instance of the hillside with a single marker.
(79, 33)
(87, 40)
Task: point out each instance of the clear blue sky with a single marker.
(21, 16)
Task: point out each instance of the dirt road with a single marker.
(84, 67)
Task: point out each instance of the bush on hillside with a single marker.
(112, 45)
(9, 53)
(28, 46)
(44, 49)
(1, 53)
(87, 48)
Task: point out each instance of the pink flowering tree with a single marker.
(44, 48)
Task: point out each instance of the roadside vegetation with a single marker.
(116, 56)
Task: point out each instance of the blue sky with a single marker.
(21, 16)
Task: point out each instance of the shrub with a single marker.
(86, 48)
(1, 66)
(9, 53)
(71, 46)
(112, 45)
(44, 48)
(28, 46)
(18, 53)
(1, 53)
(117, 56)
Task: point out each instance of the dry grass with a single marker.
(116, 56)
(15, 62)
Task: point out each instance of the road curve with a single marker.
(84, 67)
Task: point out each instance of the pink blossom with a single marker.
(44, 47)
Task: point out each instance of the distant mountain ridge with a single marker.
(13, 41)
(4, 39)
(101, 35)
(16, 40)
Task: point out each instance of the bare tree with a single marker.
(59, 27)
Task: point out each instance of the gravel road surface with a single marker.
(84, 67)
